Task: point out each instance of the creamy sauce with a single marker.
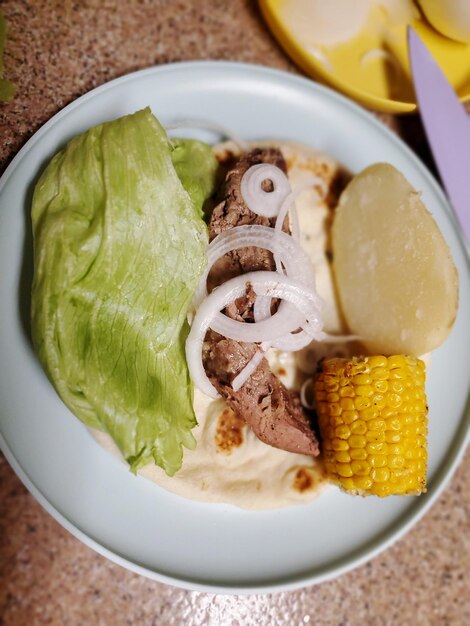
(230, 464)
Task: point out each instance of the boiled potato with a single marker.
(396, 281)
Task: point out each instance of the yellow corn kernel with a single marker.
(380, 373)
(423, 454)
(363, 482)
(376, 424)
(350, 416)
(375, 447)
(382, 489)
(344, 470)
(346, 392)
(347, 404)
(372, 417)
(396, 461)
(397, 360)
(343, 456)
(376, 436)
(358, 454)
(342, 432)
(360, 468)
(379, 400)
(362, 402)
(339, 444)
(393, 400)
(392, 437)
(381, 386)
(393, 423)
(380, 474)
(330, 383)
(396, 449)
(397, 386)
(358, 427)
(369, 413)
(398, 373)
(377, 361)
(357, 441)
(334, 408)
(364, 390)
(336, 420)
(378, 460)
(348, 484)
(362, 379)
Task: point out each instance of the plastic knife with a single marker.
(447, 127)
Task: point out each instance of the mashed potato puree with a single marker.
(230, 464)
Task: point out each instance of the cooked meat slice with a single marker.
(232, 211)
(273, 412)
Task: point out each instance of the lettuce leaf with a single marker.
(197, 168)
(119, 246)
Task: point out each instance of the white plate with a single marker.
(130, 520)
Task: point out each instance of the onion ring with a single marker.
(261, 202)
(264, 283)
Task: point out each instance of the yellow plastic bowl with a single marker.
(381, 79)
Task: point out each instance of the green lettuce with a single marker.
(197, 168)
(119, 247)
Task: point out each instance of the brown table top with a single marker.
(57, 51)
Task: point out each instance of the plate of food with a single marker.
(228, 298)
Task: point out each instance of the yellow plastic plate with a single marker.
(373, 67)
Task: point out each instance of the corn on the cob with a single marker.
(372, 414)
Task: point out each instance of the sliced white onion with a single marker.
(292, 342)
(264, 203)
(294, 258)
(262, 308)
(266, 330)
(284, 321)
(249, 369)
(264, 283)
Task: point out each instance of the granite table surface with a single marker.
(55, 52)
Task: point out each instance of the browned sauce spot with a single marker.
(229, 431)
(225, 156)
(281, 371)
(304, 479)
(267, 185)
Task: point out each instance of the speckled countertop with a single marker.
(56, 51)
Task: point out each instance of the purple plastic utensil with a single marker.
(447, 127)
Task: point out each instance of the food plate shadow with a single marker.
(399, 85)
(26, 272)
